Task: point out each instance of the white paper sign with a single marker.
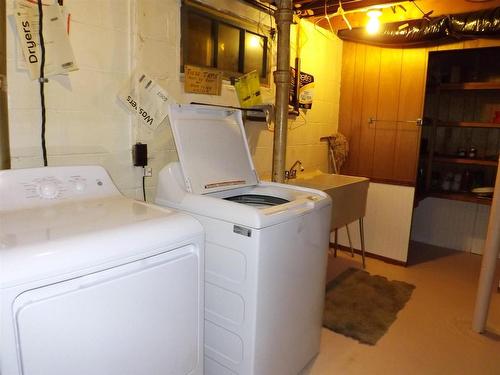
(142, 95)
(59, 56)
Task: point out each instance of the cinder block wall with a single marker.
(86, 124)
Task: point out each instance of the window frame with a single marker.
(243, 26)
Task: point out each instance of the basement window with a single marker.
(211, 39)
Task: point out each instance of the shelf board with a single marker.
(468, 124)
(463, 197)
(470, 86)
(452, 160)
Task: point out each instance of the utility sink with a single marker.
(348, 194)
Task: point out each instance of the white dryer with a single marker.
(266, 247)
(94, 283)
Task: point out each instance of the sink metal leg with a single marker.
(335, 243)
(362, 237)
(349, 238)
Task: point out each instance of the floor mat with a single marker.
(363, 306)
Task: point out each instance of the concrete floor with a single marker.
(432, 334)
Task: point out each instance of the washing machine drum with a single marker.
(257, 200)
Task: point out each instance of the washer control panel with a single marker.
(21, 188)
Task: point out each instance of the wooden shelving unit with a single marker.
(460, 196)
(470, 86)
(455, 160)
(460, 116)
(468, 124)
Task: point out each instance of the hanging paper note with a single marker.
(143, 96)
(248, 90)
(202, 81)
(59, 56)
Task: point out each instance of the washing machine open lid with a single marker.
(212, 148)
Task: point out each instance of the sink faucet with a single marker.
(292, 172)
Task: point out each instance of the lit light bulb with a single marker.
(254, 41)
(373, 24)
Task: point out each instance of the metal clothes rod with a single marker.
(418, 121)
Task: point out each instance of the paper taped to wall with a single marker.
(202, 81)
(59, 58)
(248, 90)
(143, 96)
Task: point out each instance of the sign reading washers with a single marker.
(143, 96)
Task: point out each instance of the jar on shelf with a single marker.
(496, 117)
(472, 152)
(457, 182)
(447, 182)
(466, 181)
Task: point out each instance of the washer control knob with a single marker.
(48, 190)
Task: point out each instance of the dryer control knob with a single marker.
(80, 186)
(48, 190)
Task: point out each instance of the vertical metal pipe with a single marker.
(4, 124)
(489, 263)
(284, 17)
(296, 106)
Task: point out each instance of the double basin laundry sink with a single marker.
(348, 194)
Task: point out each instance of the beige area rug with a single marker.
(363, 306)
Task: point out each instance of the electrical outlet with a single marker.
(148, 172)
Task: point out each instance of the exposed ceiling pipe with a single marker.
(484, 23)
(284, 17)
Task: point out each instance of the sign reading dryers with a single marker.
(146, 98)
(59, 57)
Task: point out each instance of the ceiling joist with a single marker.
(315, 8)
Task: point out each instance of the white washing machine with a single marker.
(265, 251)
(93, 283)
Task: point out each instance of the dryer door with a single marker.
(139, 318)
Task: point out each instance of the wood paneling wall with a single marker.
(387, 85)
(451, 224)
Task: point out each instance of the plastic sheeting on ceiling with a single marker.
(440, 30)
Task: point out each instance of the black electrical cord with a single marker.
(42, 79)
(144, 183)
